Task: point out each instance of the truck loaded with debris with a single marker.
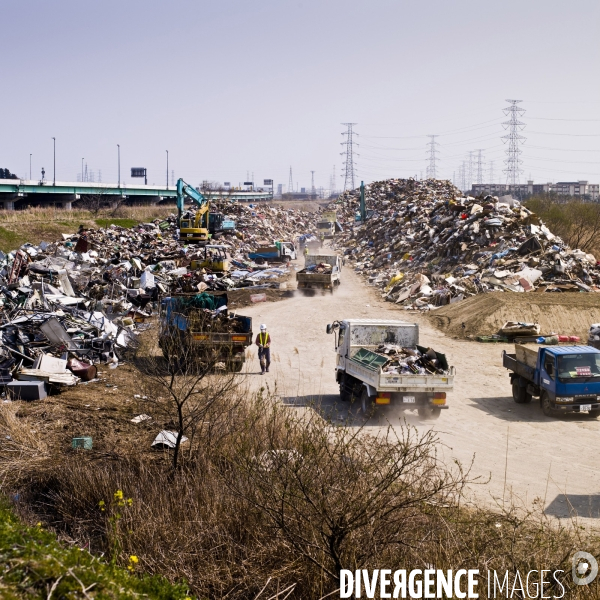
(564, 378)
(320, 271)
(202, 322)
(380, 362)
(279, 251)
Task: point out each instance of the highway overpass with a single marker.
(21, 193)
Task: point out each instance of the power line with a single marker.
(514, 139)
(349, 153)
(431, 171)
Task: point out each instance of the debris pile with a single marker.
(68, 306)
(425, 245)
(322, 268)
(416, 361)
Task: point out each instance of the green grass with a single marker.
(10, 240)
(129, 223)
(34, 563)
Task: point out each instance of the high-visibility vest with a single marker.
(263, 338)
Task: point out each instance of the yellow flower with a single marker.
(129, 501)
(118, 495)
(134, 559)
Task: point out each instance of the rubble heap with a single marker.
(426, 245)
(86, 298)
(417, 361)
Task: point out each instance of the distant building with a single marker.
(577, 189)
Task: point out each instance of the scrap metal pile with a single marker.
(426, 245)
(415, 361)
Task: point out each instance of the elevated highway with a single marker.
(21, 193)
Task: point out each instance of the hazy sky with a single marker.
(232, 87)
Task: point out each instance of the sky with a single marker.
(237, 90)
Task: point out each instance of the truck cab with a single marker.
(326, 229)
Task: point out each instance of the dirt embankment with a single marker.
(565, 314)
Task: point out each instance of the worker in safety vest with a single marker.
(306, 251)
(263, 341)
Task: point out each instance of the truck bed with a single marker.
(392, 382)
(510, 362)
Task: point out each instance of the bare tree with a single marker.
(338, 496)
(190, 384)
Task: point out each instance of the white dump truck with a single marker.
(380, 362)
(320, 271)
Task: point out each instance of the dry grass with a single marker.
(235, 513)
(35, 225)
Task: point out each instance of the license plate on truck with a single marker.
(585, 407)
(408, 399)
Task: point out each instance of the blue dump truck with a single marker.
(196, 326)
(280, 251)
(564, 378)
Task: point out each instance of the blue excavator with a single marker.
(193, 230)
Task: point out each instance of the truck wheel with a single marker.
(594, 414)
(366, 403)
(236, 365)
(520, 395)
(429, 412)
(547, 406)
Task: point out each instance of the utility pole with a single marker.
(312, 183)
(431, 170)
(470, 171)
(491, 176)
(479, 166)
(349, 153)
(462, 176)
(82, 169)
(119, 162)
(30, 167)
(167, 169)
(514, 138)
(54, 173)
(291, 183)
(333, 181)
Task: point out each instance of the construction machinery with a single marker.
(215, 259)
(193, 230)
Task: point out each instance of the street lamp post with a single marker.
(54, 171)
(167, 169)
(119, 154)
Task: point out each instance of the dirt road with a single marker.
(551, 459)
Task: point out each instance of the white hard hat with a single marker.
(263, 327)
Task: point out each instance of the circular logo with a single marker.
(584, 562)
